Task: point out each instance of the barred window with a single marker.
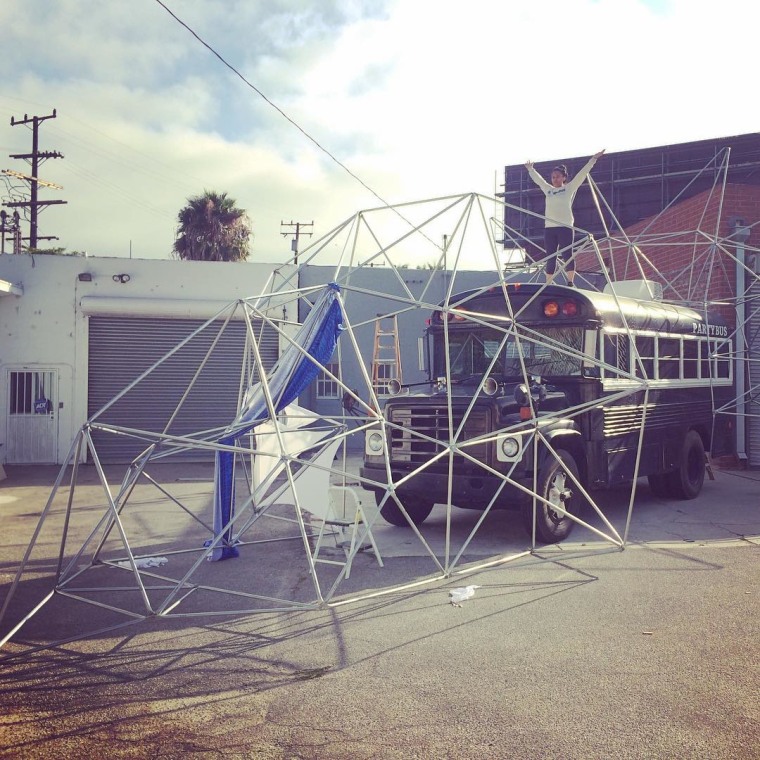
(30, 392)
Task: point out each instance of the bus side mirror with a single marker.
(522, 395)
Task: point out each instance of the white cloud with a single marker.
(416, 98)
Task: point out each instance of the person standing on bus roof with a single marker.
(558, 229)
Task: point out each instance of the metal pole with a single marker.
(33, 183)
(740, 235)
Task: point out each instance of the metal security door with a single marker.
(32, 434)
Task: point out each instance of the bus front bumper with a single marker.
(469, 490)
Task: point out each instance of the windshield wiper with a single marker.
(465, 379)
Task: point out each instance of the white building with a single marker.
(76, 329)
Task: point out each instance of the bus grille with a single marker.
(411, 440)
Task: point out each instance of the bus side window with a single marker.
(623, 350)
(645, 348)
(704, 353)
(617, 353)
(723, 361)
(690, 359)
(668, 358)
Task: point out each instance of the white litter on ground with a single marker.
(144, 562)
(459, 595)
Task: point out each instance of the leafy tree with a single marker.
(435, 265)
(212, 228)
(59, 251)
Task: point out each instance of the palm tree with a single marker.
(212, 228)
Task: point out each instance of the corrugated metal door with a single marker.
(122, 348)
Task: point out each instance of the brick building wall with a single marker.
(636, 184)
(685, 248)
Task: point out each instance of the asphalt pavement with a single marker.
(581, 650)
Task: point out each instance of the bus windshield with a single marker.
(472, 352)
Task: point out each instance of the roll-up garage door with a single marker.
(121, 348)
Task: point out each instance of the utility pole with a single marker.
(296, 235)
(10, 227)
(36, 157)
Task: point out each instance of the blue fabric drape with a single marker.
(292, 374)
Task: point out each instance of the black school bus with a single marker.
(539, 388)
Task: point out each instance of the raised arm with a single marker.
(577, 180)
(536, 177)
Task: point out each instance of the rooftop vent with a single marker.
(644, 290)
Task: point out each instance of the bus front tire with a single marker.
(556, 486)
(417, 509)
(685, 482)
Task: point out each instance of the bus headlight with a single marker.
(508, 449)
(374, 442)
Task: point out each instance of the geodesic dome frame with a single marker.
(386, 236)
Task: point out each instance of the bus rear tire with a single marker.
(685, 482)
(417, 509)
(554, 485)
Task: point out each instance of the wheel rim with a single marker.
(558, 495)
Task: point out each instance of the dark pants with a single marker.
(556, 239)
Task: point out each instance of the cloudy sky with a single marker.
(392, 99)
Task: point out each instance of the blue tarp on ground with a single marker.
(293, 372)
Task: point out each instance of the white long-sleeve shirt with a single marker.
(559, 200)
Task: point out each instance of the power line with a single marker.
(67, 136)
(104, 152)
(36, 157)
(274, 105)
(92, 178)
